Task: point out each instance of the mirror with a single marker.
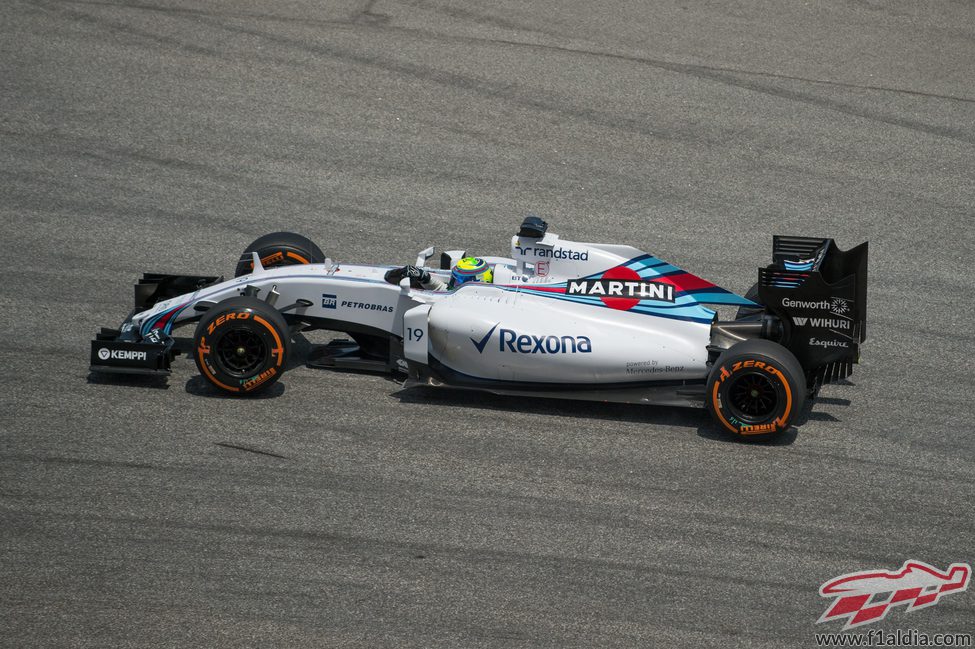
(421, 259)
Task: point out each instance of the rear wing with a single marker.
(819, 293)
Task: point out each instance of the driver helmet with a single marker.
(470, 269)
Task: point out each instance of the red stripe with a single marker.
(906, 594)
(869, 613)
(545, 289)
(163, 320)
(845, 605)
(684, 281)
(925, 599)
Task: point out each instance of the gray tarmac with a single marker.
(342, 511)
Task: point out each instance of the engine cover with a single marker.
(491, 333)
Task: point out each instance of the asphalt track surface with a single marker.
(344, 511)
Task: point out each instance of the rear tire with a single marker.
(279, 249)
(241, 345)
(755, 390)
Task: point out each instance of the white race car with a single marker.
(560, 318)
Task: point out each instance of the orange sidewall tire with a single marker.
(782, 371)
(254, 318)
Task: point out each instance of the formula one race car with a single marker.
(564, 319)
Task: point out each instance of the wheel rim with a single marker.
(753, 397)
(241, 352)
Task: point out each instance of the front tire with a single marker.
(756, 389)
(279, 249)
(241, 345)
